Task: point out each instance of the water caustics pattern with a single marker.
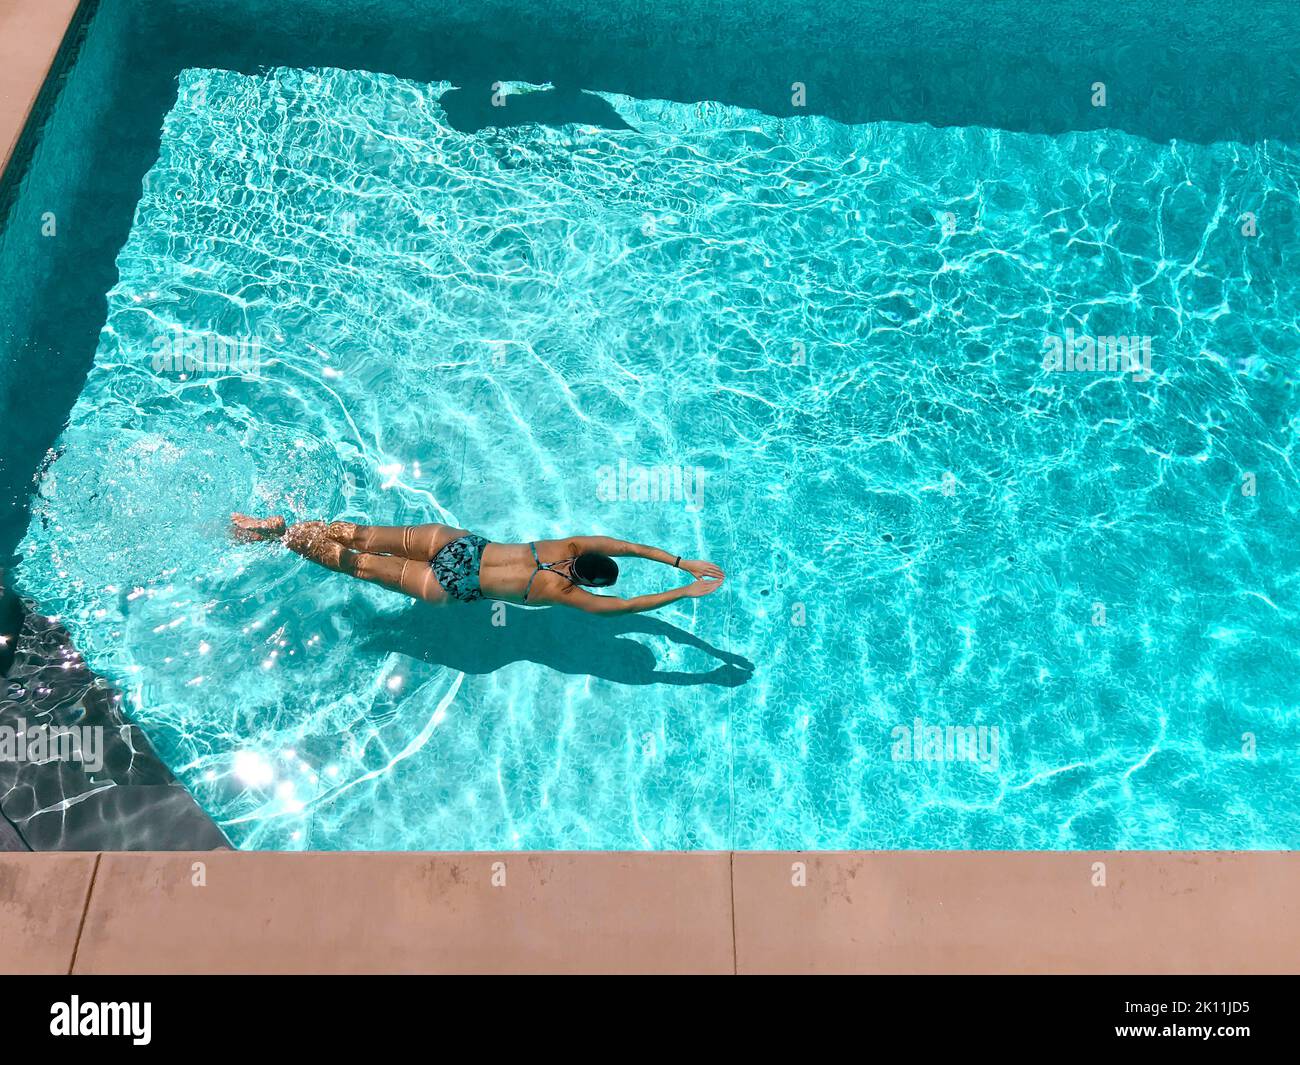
(843, 327)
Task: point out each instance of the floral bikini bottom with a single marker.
(456, 566)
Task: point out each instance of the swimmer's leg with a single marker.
(418, 542)
(414, 578)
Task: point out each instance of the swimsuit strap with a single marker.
(538, 562)
(548, 566)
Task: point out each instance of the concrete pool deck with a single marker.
(605, 912)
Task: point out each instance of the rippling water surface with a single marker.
(841, 330)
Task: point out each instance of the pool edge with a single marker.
(720, 912)
(43, 43)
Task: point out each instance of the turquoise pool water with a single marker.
(834, 335)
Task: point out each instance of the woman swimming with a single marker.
(437, 563)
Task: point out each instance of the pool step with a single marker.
(133, 802)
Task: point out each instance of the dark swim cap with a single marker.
(591, 567)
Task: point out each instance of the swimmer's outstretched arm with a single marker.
(607, 545)
(638, 604)
(581, 600)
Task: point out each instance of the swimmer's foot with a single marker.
(342, 532)
(249, 529)
(311, 539)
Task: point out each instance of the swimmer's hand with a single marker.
(702, 586)
(697, 567)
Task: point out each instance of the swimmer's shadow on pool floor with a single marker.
(470, 109)
(463, 638)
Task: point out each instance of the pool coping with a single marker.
(31, 37)
(721, 912)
